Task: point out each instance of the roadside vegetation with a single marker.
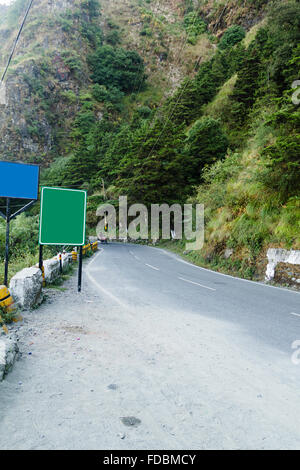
(228, 136)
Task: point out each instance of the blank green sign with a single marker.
(62, 218)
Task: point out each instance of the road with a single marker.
(201, 360)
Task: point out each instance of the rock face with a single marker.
(289, 261)
(8, 354)
(39, 76)
(41, 95)
(26, 288)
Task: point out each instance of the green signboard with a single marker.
(62, 217)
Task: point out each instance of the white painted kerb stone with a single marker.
(26, 288)
(3, 94)
(66, 259)
(51, 267)
(279, 255)
(8, 353)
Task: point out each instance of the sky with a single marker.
(5, 2)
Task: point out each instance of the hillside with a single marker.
(170, 102)
(50, 60)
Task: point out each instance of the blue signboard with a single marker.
(18, 180)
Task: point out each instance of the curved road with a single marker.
(138, 276)
(200, 360)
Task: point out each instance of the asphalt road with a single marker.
(155, 353)
(138, 276)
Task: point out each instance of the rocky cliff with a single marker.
(40, 96)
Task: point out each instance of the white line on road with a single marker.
(108, 293)
(196, 283)
(152, 267)
(136, 257)
(176, 257)
(295, 314)
(95, 257)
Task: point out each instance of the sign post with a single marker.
(18, 181)
(63, 219)
(80, 270)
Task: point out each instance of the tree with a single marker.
(119, 68)
(153, 171)
(244, 93)
(205, 144)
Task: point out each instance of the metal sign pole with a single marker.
(41, 258)
(60, 262)
(7, 241)
(18, 181)
(8, 217)
(80, 270)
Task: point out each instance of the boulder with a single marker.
(8, 354)
(26, 288)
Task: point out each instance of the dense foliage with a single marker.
(228, 136)
(117, 67)
(232, 36)
(194, 26)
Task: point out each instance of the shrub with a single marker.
(232, 36)
(107, 95)
(23, 235)
(194, 26)
(282, 167)
(113, 37)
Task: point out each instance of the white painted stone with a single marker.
(51, 267)
(3, 100)
(228, 253)
(66, 261)
(279, 255)
(26, 288)
(8, 353)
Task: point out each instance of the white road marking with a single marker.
(136, 257)
(106, 292)
(296, 314)
(95, 257)
(152, 267)
(196, 283)
(176, 257)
